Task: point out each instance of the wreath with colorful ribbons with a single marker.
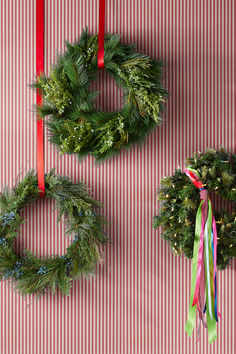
(75, 125)
(179, 200)
(85, 224)
(192, 229)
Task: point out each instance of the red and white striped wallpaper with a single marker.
(138, 301)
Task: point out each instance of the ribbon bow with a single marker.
(203, 283)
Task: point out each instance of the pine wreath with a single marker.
(34, 275)
(180, 199)
(74, 124)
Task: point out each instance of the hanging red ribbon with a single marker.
(101, 34)
(40, 69)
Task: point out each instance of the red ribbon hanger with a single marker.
(101, 34)
(39, 70)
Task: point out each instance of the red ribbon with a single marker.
(101, 34)
(40, 69)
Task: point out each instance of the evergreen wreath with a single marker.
(75, 125)
(180, 199)
(34, 275)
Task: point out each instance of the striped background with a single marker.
(137, 303)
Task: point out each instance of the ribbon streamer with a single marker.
(101, 34)
(39, 70)
(203, 296)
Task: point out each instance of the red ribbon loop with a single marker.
(101, 34)
(39, 70)
(194, 178)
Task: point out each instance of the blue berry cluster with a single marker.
(3, 241)
(68, 267)
(7, 218)
(88, 213)
(16, 271)
(76, 238)
(64, 257)
(68, 264)
(42, 270)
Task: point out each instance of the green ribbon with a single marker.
(192, 309)
(211, 322)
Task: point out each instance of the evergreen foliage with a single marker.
(34, 275)
(75, 126)
(179, 200)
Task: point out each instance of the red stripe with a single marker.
(39, 70)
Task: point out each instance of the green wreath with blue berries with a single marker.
(81, 212)
(75, 125)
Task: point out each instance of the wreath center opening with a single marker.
(40, 234)
(110, 96)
